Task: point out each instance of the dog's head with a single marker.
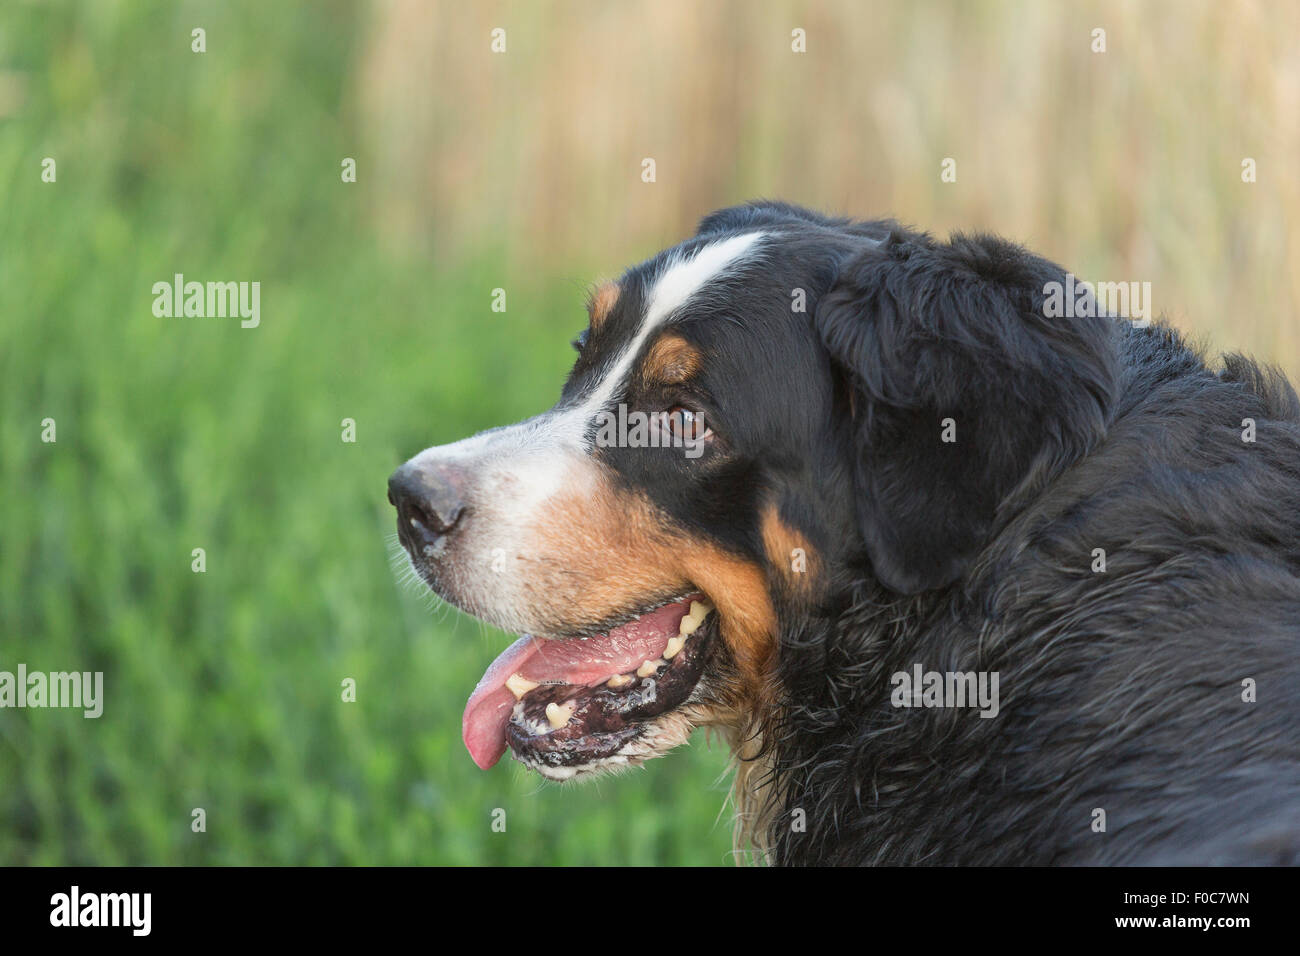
(777, 406)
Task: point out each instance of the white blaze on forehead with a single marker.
(680, 280)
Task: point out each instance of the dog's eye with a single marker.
(686, 424)
(580, 342)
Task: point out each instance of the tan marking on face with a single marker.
(738, 589)
(603, 553)
(793, 558)
(601, 303)
(596, 553)
(670, 361)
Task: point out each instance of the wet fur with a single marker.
(1120, 690)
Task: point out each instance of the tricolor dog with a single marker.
(906, 464)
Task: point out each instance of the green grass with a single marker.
(222, 689)
(478, 172)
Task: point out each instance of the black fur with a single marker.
(1120, 690)
(832, 361)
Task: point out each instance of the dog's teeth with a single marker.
(558, 714)
(691, 622)
(619, 680)
(520, 685)
(649, 668)
(675, 644)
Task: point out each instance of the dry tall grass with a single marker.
(1122, 165)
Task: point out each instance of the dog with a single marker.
(960, 582)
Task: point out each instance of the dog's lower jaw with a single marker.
(660, 736)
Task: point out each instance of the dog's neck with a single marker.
(771, 763)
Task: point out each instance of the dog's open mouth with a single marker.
(562, 704)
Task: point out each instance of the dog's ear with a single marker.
(964, 394)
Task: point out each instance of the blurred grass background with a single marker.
(477, 171)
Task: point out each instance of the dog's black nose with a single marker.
(428, 504)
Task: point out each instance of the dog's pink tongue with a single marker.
(483, 727)
(586, 661)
